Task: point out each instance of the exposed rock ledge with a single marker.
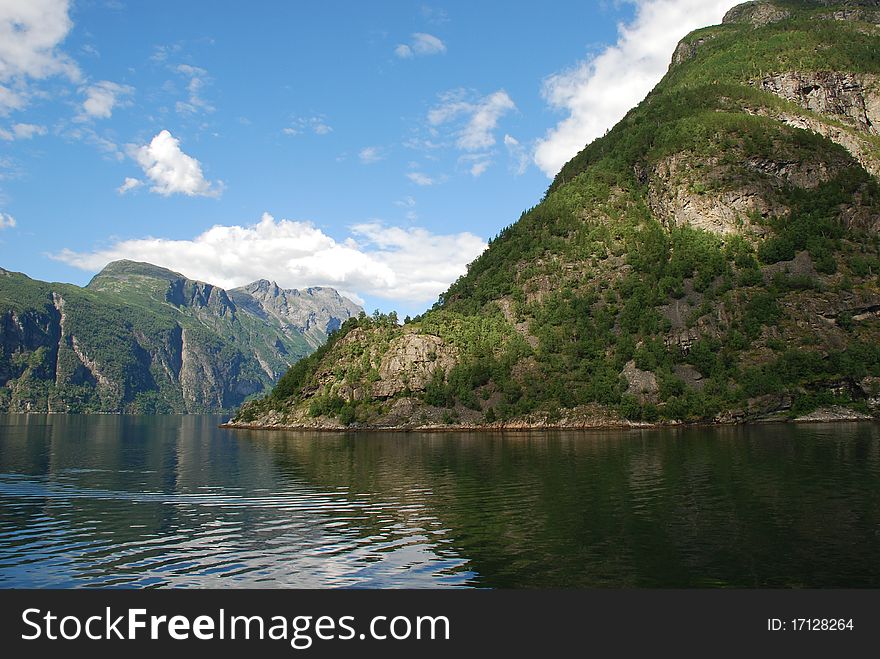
(833, 413)
(824, 415)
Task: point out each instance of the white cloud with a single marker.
(10, 100)
(476, 163)
(518, 155)
(129, 184)
(420, 44)
(299, 125)
(198, 79)
(30, 33)
(22, 132)
(171, 170)
(434, 15)
(427, 44)
(83, 131)
(479, 167)
(6, 221)
(599, 91)
(27, 131)
(101, 98)
(371, 154)
(421, 179)
(405, 264)
(476, 120)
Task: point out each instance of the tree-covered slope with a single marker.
(713, 257)
(138, 338)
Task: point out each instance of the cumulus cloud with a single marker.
(30, 34)
(405, 264)
(170, 170)
(129, 184)
(6, 221)
(420, 44)
(101, 98)
(599, 91)
(22, 132)
(475, 121)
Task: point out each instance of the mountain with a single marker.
(714, 257)
(140, 338)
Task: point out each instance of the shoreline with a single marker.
(818, 416)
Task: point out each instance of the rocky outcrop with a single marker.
(640, 384)
(678, 195)
(858, 147)
(410, 362)
(833, 414)
(687, 49)
(848, 97)
(199, 295)
(757, 14)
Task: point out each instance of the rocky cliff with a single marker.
(142, 339)
(313, 312)
(714, 257)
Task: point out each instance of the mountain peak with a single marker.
(124, 268)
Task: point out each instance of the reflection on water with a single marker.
(175, 501)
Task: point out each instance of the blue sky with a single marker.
(370, 146)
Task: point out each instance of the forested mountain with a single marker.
(140, 338)
(713, 257)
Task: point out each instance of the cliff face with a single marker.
(313, 312)
(715, 256)
(137, 339)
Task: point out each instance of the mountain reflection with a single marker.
(176, 501)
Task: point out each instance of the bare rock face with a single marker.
(315, 311)
(687, 50)
(410, 362)
(800, 266)
(860, 14)
(707, 193)
(641, 384)
(758, 14)
(870, 387)
(851, 98)
(858, 147)
(677, 197)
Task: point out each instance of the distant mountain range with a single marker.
(142, 339)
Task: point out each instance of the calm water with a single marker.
(175, 501)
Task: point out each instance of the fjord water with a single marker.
(176, 501)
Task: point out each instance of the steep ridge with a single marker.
(714, 257)
(142, 339)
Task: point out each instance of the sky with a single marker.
(370, 146)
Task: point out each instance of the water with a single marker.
(175, 501)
